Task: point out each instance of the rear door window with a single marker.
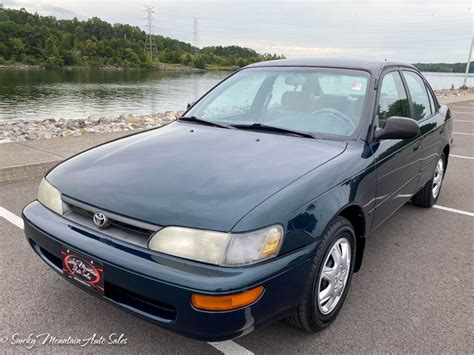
(419, 94)
(432, 102)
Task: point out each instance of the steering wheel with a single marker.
(336, 114)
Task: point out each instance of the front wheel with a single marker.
(429, 194)
(329, 278)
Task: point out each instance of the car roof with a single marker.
(372, 66)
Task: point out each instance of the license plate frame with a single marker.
(83, 270)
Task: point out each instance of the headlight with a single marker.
(227, 249)
(50, 197)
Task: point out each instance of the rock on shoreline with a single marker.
(19, 131)
(440, 94)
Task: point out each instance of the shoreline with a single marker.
(163, 67)
(452, 92)
(24, 130)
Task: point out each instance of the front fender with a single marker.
(306, 206)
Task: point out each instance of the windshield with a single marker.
(318, 101)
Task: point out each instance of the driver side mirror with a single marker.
(398, 128)
(189, 105)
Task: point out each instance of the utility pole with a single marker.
(150, 44)
(195, 32)
(468, 62)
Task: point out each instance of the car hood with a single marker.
(188, 174)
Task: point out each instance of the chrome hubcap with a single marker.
(438, 178)
(333, 278)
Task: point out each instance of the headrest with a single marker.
(295, 79)
(295, 101)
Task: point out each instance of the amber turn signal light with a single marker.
(227, 302)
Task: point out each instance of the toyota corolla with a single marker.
(252, 207)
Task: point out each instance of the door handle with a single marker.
(416, 146)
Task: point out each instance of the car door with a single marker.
(425, 111)
(397, 161)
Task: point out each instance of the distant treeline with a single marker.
(27, 38)
(445, 67)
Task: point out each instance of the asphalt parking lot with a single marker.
(414, 293)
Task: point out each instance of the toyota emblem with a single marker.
(100, 220)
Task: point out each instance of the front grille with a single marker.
(146, 233)
(81, 211)
(121, 228)
(142, 303)
(49, 257)
(134, 229)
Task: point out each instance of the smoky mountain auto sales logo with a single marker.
(82, 269)
(33, 340)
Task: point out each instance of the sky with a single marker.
(404, 30)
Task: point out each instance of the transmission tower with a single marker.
(195, 32)
(150, 44)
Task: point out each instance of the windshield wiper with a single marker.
(264, 127)
(200, 120)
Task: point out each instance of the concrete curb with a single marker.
(455, 99)
(29, 160)
(25, 172)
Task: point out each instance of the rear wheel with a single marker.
(429, 194)
(329, 278)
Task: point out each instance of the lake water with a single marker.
(445, 80)
(41, 94)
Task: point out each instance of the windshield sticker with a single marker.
(356, 86)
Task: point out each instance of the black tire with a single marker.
(424, 197)
(307, 316)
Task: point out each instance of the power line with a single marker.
(422, 35)
(387, 38)
(416, 15)
(213, 31)
(426, 20)
(386, 27)
(387, 33)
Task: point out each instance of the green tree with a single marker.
(51, 48)
(132, 57)
(199, 62)
(53, 62)
(79, 36)
(34, 39)
(89, 48)
(186, 59)
(17, 46)
(5, 51)
(240, 62)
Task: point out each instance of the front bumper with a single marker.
(158, 287)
